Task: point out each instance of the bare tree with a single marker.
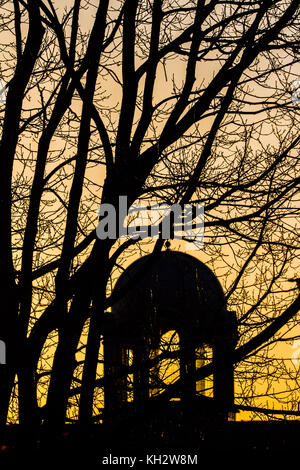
(167, 101)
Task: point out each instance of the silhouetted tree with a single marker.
(159, 100)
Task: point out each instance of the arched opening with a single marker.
(204, 356)
(128, 361)
(166, 369)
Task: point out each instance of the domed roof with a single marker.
(172, 289)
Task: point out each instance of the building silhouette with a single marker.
(175, 296)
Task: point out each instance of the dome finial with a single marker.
(168, 244)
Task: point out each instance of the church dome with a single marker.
(171, 290)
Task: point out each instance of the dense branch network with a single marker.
(164, 102)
